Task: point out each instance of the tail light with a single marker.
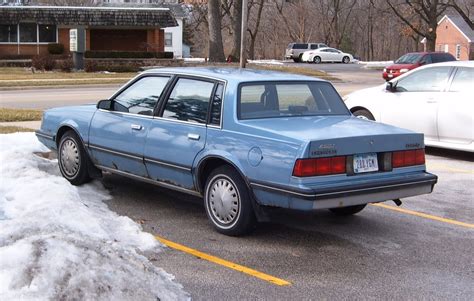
(320, 166)
(408, 158)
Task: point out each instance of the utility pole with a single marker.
(243, 59)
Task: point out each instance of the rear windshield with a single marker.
(409, 58)
(286, 99)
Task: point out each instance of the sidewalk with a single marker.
(34, 125)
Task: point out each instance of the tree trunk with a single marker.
(236, 25)
(216, 49)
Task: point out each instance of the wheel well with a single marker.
(357, 109)
(62, 130)
(207, 166)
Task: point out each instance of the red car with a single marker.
(413, 60)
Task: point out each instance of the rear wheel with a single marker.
(345, 211)
(228, 204)
(317, 59)
(346, 60)
(295, 60)
(364, 114)
(72, 159)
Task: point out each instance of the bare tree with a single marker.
(254, 31)
(216, 49)
(233, 10)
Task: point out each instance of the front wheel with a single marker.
(72, 159)
(228, 204)
(317, 59)
(350, 210)
(346, 60)
(364, 114)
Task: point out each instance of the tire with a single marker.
(317, 60)
(345, 211)
(73, 159)
(346, 60)
(300, 58)
(295, 60)
(228, 203)
(364, 114)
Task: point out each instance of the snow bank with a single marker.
(376, 64)
(266, 62)
(58, 241)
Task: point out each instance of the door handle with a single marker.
(193, 136)
(136, 127)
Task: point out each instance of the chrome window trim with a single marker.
(151, 181)
(180, 121)
(126, 114)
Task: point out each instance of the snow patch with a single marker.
(266, 62)
(376, 64)
(58, 241)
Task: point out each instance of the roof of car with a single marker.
(453, 63)
(236, 74)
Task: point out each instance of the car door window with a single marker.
(463, 80)
(314, 46)
(426, 80)
(217, 105)
(189, 100)
(426, 60)
(141, 97)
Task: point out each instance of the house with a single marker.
(27, 30)
(455, 36)
(173, 35)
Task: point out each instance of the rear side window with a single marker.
(287, 99)
(314, 46)
(300, 46)
(426, 59)
(217, 105)
(463, 80)
(189, 101)
(442, 57)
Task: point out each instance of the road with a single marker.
(352, 77)
(377, 254)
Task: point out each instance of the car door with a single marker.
(117, 134)
(456, 107)
(178, 133)
(414, 104)
(337, 55)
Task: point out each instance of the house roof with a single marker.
(91, 16)
(177, 9)
(461, 25)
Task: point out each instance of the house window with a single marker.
(168, 39)
(28, 32)
(458, 51)
(47, 33)
(446, 48)
(8, 33)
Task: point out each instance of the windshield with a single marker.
(409, 58)
(285, 99)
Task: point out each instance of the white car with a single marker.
(326, 54)
(436, 99)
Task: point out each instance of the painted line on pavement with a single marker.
(223, 262)
(424, 215)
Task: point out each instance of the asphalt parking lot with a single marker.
(423, 251)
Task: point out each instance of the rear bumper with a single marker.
(344, 194)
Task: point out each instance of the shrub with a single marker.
(128, 54)
(43, 62)
(91, 66)
(66, 65)
(55, 48)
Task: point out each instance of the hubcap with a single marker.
(224, 201)
(69, 156)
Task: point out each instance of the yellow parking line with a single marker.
(223, 262)
(424, 215)
(448, 168)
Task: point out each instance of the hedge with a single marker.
(128, 54)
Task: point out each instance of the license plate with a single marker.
(390, 75)
(365, 163)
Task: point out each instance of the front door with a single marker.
(117, 136)
(178, 133)
(415, 103)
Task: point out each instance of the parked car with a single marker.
(243, 140)
(436, 100)
(414, 60)
(326, 54)
(295, 50)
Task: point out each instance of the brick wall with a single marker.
(120, 40)
(448, 34)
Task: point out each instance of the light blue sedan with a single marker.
(244, 140)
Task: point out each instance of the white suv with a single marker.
(295, 50)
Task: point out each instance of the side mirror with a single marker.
(104, 104)
(390, 87)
